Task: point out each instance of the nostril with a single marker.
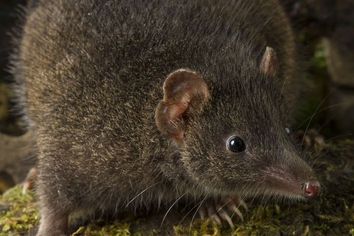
(312, 189)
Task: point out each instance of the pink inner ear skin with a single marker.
(168, 119)
(269, 62)
(176, 112)
(182, 88)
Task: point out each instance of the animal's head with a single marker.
(232, 137)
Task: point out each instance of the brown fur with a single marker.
(91, 76)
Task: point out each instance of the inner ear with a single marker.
(269, 62)
(184, 94)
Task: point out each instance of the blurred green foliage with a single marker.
(18, 212)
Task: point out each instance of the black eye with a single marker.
(235, 144)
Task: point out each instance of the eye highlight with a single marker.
(235, 144)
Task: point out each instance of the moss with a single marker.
(18, 213)
(199, 227)
(117, 229)
(331, 214)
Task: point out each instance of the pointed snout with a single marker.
(311, 189)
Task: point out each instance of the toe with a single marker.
(202, 213)
(235, 210)
(212, 214)
(223, 214)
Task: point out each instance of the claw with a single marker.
(219, 208)
(234, 209)
(222, 210)
(243, 204)
(212, 214)
(227, 218)
(216, 219)
(202, 213)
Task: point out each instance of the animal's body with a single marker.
(91, 75)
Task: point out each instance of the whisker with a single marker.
(323, 110)
(196, 211)
(139, 194)
(169, 209)
(348, 135)
(222, 206)
(184, 217)
(317, 111)
(335, 105)
(313, 116)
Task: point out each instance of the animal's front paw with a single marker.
(30, 180)
(223, 210)
(311, 140)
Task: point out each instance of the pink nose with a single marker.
(312, 189)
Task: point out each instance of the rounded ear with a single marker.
(185, 93)
(269, 62)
